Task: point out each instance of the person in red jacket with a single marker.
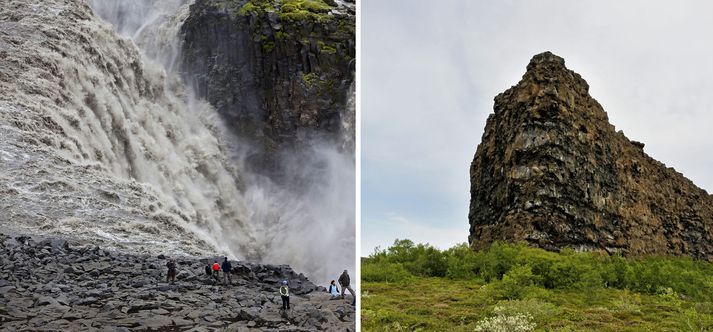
(216, 270)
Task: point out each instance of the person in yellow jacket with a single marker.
(285, 294)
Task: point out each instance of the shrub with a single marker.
(462, 262)
(565, 270)
(497, 260)
(384, 272)
(517, 281)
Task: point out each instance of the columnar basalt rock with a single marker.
(278, 71)
(551, 170)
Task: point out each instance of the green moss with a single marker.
(281, 35)
(268, 47)
(311, 79)
(328, 49)
(324, 48)
(305, 10)
(256, 7)
(321, 85)
(315, 6)
(248, 9)
(289, 10)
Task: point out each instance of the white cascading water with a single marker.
(99, 139)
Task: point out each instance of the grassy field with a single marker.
(514, 288)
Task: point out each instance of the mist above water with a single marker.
(101, 140)
(305, 221)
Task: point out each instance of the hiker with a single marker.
(227, 276)
(333, 290)
(171, 265)
(344, 282)
(285, 294)
(208, 272)
(216, 270)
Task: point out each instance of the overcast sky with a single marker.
(430, 70)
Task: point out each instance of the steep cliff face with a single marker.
(279, 71)
(552, 171)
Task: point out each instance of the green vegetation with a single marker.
(324, 48)
(410, 287)
(267, 47)
(290, 10)
(304, 10)
(322, 85)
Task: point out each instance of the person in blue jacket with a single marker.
(333, 290)
(227, 268)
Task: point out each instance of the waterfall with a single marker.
(99, 139)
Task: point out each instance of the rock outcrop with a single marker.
(551, 170)
(278, 71)
(55, 285)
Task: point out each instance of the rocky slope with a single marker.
(552, 171)
(280, 71)
(55, 285)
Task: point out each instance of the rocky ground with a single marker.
(55, 285)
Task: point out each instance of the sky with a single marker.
(430, 71)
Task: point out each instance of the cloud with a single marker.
(439, 236)
(430, 72)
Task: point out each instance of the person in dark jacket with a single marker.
(171, 265)
(209, 273)
(344, 281)
(227, 276)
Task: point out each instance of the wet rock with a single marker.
(87, 301)
(182, 322)
(135, 297)
(55, 244)
(45, 300)
(277, 81)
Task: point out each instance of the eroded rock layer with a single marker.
(551, 170)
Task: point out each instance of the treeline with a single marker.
(516, 267)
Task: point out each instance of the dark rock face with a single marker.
(278, 72)
(552, 171)
(60, 286)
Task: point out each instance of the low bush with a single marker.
(517, 267)
(386, 272)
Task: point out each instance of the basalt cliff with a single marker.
(552, 171)
(280, 73)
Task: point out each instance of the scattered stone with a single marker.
(129, 295)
